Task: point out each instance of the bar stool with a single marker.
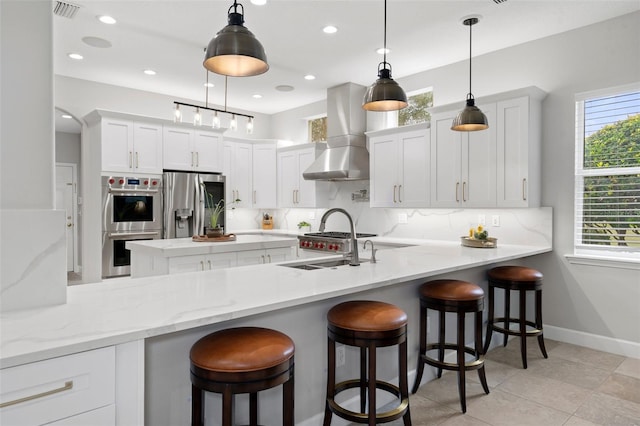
(241, 360)
(459, 297)
(367, 325)
(523, 280)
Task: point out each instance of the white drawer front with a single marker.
(57, 388)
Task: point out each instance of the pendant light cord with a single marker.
(225, 92)
(206, 96)
(384, 51)
(470, 96)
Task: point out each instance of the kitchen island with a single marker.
(170, 256)
(156, 319)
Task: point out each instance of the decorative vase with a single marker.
(214, 232)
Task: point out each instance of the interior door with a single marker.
(65, 191)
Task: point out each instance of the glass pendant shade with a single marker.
(385, 94)
(470, 119)
(235, 51)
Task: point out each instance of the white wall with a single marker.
(67, 147)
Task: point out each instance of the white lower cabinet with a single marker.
(68, 390)
(258, 257)
(207, 262)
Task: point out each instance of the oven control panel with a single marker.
(127, 182)
(310, 243)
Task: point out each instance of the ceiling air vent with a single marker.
(499, 1)
(66, 10)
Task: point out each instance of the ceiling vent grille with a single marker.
(66, 10)
(499, 1)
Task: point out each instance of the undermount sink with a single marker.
(312, 264)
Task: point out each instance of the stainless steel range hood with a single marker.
(346, 156)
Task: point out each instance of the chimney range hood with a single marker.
(346, 156)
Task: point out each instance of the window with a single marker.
(318, 129)
(608, 173)
(416, 112)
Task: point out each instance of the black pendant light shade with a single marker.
(385, 94)
(470, 119)
(235, 51)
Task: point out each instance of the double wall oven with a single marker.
(132, 211)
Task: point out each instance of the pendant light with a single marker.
(385, 94)
(234, 50)
(470, 119)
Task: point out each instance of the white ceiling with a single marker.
(169, 36)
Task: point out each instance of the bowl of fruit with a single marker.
(479, 238)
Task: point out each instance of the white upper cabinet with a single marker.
(192, 149)
(238, 159)
(293, 189)
(264, 176)
(130, 146)
(497, 167)
(399, 163)
(463, 164)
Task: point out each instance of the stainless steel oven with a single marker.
(132, 211)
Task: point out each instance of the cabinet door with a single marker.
(178, 149)
(117, 145)
(207, 147)
(513, 152)
(221, 260)
(282, 254)
(287, 178)
(147, 143)
(446, 151)
(306, 195)
(384, 162)
(414, 148)
(181, 264)
(264, 176)
(227, 169)
(478, 164)
(242, 173)
(251, 257)
(105, 416)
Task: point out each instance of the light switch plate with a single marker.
(402, 218)
(495, 220)
(481, 219)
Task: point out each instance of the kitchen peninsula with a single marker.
(161, 316)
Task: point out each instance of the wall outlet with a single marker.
(495, 220)
(403, 218)
(340, 355)
(481, 219)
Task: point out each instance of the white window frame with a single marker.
(586, 254)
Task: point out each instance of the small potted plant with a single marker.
(215, 230)
(304, 226)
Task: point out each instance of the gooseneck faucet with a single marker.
(355, 260)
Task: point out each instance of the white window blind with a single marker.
(607, 197)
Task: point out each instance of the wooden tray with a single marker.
(488, 243)
(205, 239)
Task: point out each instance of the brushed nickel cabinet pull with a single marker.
(67, 386)
(263, 261)
(269, 258)
(464, 187)
(457, 186)
(137, 159)
(130, 159)
(209, 262)
(394, 193)
(524, 189)
(191, 158)
(399, 189)
(197, 159)
(202, 265)
(254, 196)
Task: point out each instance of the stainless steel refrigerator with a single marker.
(188, 201)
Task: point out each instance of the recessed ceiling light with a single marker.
(106, 19)
(382, 51)
(330, 29)
(96, 42)
(149, 72)
(257, 96)
(209, 85)
(284, 88)
(75, 56)
(309, 77)
(259, 2)
(67, 116)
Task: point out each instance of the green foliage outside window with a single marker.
(416, 112)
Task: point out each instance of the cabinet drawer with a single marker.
(45, 391)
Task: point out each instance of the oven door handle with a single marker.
(126, 235)
(133, 191)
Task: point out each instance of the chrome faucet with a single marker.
(373, 250)
(355, 260)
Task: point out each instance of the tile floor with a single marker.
(575, 386)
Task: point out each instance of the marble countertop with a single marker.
(122, 310)
(187, 247)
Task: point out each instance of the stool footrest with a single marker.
(515, 332)
(472, 365)
(358, 417)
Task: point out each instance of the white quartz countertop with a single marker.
(121, 310)
(187, 247)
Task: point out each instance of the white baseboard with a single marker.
(593, 341)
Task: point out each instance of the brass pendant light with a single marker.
(385, 94)
(470, 119)
(235, 51)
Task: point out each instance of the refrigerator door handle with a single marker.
(198, 211)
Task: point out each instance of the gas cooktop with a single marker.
(342, 235)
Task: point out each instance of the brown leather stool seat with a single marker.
(521, 279)
(367, 325)
(242, 360)
(459, 297)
